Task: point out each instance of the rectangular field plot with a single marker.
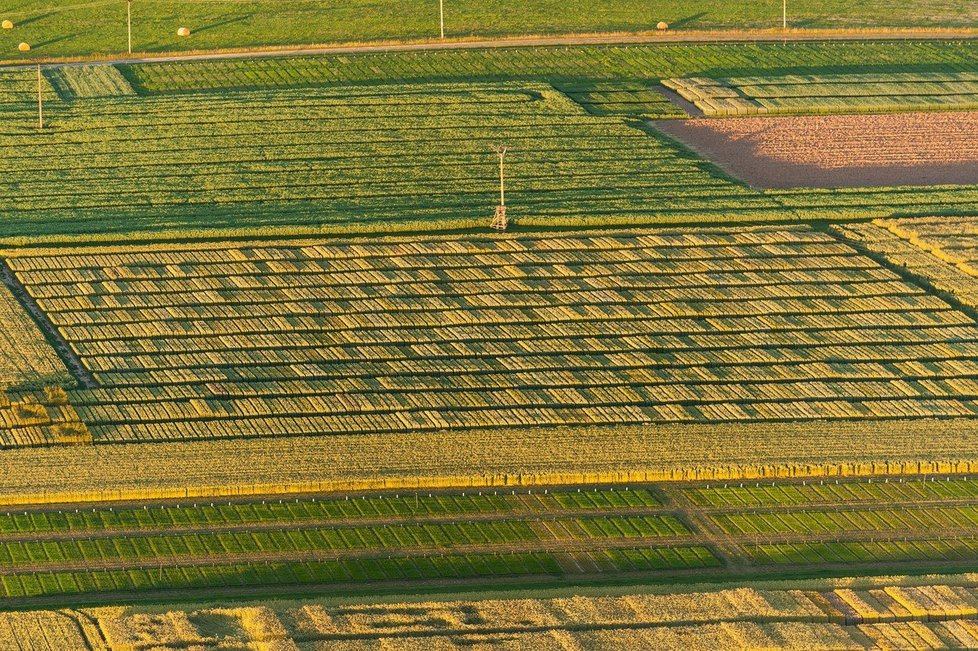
(706, 325)
(839, 151)
(941, 250)
(347, 159)
(784, 494)
(849, 93)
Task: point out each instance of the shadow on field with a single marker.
(52, 41)
(32, 19)
(223, 23)
(683, 22)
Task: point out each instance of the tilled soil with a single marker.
(838, 151)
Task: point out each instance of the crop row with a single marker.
(538, 416)
(830, 94)
(850, 519)
(794, 494)
(614, 62)
(879, 551)
(390, 506)
(346, 570)
(386, 538)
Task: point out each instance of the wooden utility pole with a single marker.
(129, 24)
(40, 101)
(500, 222)
(441, 17)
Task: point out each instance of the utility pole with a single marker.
(441, 17)
(502, 177)
(129, 23)
(40, 101)
(784, 15)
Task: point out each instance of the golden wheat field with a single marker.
(933, 612)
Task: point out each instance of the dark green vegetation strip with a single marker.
(418, 568)
(80, 27)
(302, 510)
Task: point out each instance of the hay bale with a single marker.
(662, 26)
(183, 31)
(24, 47)
(7, 24)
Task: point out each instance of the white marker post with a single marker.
(129, 23)
(784, 15)
(441, 17)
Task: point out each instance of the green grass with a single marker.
(78, 28)
(433, 537)
(308, 509)
(567, 65)
(450, 566)
(796, 494)
(848, 520)
(888, 551)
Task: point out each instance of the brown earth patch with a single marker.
(837, 151)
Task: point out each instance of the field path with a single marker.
(730, 36)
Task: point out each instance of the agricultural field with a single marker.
(258, 340)
(599, 329)
(838, 151)
(492, 537)
(91, 28)
(941, 252)
(889, 612)
(421, 157)
(592, 63)
(846, 93)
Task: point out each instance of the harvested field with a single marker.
(838, 151)
(878, 612)
(230, 340)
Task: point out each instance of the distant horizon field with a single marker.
(89, 28)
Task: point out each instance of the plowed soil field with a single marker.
(838, 150)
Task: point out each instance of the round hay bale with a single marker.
(7, 24)
(662, 26)
(24, 47)
(183, 31)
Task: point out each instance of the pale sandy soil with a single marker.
(838, 150)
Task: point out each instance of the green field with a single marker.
(78, 28)
(352, 157)
(608, 63)
(852, 93)
(648, 533)
(421, 153)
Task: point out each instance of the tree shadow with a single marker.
(32, 19)
(52, 41)
(222, 23)
(683, 22)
